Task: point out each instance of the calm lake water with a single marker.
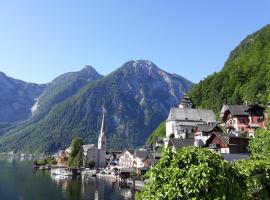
(19, 181)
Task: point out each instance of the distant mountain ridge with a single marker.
(16, 98)
(63, 87)
(137, 97)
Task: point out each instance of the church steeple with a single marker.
(101, 137)
(185, 102)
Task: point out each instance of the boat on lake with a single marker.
(62, 172)
(89, 173)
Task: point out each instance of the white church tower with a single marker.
(102, 145)
(101, 137)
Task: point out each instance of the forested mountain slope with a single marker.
(244, 77)
(137, 97)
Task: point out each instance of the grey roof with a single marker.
(188, 114)
(233, 157)
(159, 140)
(238, 110)
(131, 151)
(117, 156)
(142, 154)
(177, 142)
(207, 127)
(155, 155)
(86, 147)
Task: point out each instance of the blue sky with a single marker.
(40, 40)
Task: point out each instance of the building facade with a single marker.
(243, 119)
(182, 121)
(227, 143)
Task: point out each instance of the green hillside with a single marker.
(244, 77)
(160, 131)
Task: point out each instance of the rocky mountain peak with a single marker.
(89, 69)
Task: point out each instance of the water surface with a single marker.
(19, 181)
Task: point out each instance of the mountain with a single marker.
(245, 76)
(62, 88)
(16, 99)
(136, 97)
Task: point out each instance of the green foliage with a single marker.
(267, 125)
(260, 145)
(245, 76)
(257, 173)
(133, 174)
(160, 131)
(76, 156)
(91, 164)
(257, 167)
(194, 173)
(48, 160)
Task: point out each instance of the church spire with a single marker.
(101, 137)
(102, 126)
(185, 102)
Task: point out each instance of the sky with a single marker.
(40, 40)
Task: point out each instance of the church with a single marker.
(97, 152)
(182, 121)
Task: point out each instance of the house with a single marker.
(159, 142)
(112, 157)
(61, 158)
(143, 160)
(182, 121)
(126, 159)
(227, 143)
(176, 143)
(203, 132)
(156, 157)
(243, 119)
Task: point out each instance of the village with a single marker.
(185, 126)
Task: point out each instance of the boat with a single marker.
(89, 173)
(62, 172)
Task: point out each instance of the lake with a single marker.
(19, 181)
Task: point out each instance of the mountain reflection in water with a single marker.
(19, 181)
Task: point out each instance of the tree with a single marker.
(91, 164)
(260, 145)
(257, 173)
(257, 167)
(194, 173)
(76, 156)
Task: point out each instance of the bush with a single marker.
(194, 173)
(257, 172)
(49, 160)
